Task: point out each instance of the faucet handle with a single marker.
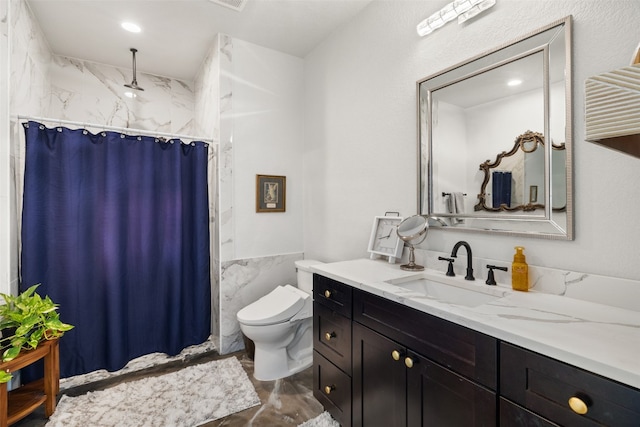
(490, 279)
(450, 268)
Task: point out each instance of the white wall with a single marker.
(267, 140)
(360, 134)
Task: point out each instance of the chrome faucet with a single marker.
(454, 254)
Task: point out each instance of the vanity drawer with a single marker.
(332, 388)
(465, 351)
(544, 386)
(332, 336)
(332, 294)
(512, 415)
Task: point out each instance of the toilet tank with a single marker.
(305, 275)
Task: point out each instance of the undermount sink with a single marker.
(468, 294)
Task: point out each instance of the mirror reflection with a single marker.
(485, 165)
(514, 180)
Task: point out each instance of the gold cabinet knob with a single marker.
(327, 293)
(395, 354)
(578, 405)
(329, 335)
(408, 362)
(328, 389)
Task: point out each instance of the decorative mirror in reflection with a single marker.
(514, 180)
(485, 164)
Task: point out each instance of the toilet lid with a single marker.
(277, 306)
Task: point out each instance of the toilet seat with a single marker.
(277, 306)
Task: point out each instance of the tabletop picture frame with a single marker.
(271, 193)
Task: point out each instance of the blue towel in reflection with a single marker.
(501, 188)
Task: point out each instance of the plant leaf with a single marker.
(26, 294)
(5, 377)
(10, 354)
(18, 341)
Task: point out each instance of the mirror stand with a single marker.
(412, 266)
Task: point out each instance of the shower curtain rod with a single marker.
(115, 128)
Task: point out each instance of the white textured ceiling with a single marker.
(176, 34)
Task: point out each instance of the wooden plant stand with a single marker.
(19, 403)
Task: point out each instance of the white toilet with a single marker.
(280, 325)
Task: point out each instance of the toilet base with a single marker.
(272, 365)
(275, 362)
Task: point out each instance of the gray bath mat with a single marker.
(188, 397)
(322, 420)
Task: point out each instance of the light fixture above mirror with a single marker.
(469, 116)
(461, 9)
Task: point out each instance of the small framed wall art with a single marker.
(384, 239)
(271, 193)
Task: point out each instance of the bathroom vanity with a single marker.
(388, 355)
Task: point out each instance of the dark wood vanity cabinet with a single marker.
(332, 347)
(381, 363)
(414, 369)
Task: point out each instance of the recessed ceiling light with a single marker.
(514, 82)
(130, 26)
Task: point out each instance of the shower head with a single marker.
(134, 82)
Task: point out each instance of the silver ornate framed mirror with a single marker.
(495, 139)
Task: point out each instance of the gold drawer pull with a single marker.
(328, 389)
(578, 405)
(395, 354)
(408, 362)
(329, 335)
(327, 293)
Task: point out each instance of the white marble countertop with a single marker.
(595, 337)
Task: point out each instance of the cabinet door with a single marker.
(379, 381)
(437, 396)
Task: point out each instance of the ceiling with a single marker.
(176, 34)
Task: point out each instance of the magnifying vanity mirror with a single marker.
(495, 139)
(413, 231)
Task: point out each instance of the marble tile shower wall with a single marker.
(228, 340)
(72, 89)
(227, 250)
(28, 94)
(206, 122)
(30, 61)
(94, 93)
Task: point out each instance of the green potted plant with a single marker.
(27, 319)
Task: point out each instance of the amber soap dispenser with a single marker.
(519, 271)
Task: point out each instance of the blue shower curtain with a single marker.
(501, 187)
(116, 230)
